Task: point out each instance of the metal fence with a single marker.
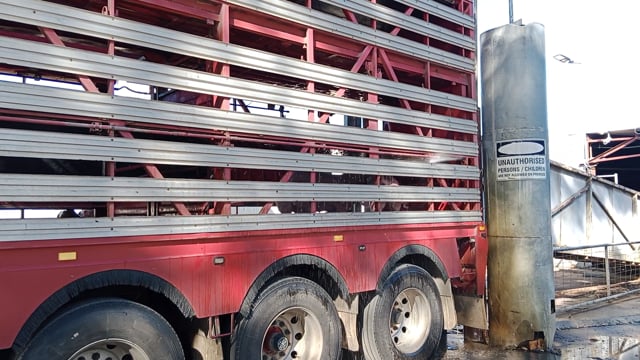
(589, 274)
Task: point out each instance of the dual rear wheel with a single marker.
(294, 318)
(404, 321)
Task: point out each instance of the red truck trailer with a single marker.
(293, 179)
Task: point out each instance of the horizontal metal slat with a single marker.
(318, 20)
(49, 145)
(70, 102)
(56, 188)
(49, 229)
(396, 18)
(445, 12)
(29, 54)
(42, 13)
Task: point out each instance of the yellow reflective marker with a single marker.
(68, 256)
(337, 238)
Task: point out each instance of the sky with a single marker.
(599, 91)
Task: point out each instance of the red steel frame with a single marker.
(185, 261)
(620, 142)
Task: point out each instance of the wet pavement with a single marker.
(599, 332)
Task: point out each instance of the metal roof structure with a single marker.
(615, 154)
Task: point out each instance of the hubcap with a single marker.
(110, 349)
(294, 334)
(409, 320)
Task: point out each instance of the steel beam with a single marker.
(101, 106)
(126, 227)
(22, 188)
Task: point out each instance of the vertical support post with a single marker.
(607, 273)
(589, 211)
(510, 11)
(222, 102)
(517, 183)
(223, 34)
(311, 87)
(110, 166)
(110, 171)
(310, 44)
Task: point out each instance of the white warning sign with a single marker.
(521, 159)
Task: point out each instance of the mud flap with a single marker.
(472, 311)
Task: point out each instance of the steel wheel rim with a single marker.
(409, 320)
(114, 349)
(294, 334)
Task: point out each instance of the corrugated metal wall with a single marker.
(591, 211)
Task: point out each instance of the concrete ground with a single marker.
(610, 330)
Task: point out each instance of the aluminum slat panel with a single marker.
(54, 188)
(47, 229)
(445, 12)
(44, 56)
(331, 24)
(396, 18)
(93, 24)
(70, 102)
(40, 144)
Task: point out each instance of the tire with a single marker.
(441, 349)
(105, 329)
(405, 321)
(292, 318)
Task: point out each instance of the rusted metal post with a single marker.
(520, 263)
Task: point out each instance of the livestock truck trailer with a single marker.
(238, 179)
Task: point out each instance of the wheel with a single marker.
(405, 320)
(293, 318)
(104, 329)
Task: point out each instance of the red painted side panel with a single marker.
(29, 275)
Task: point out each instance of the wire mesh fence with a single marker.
(589, 274)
